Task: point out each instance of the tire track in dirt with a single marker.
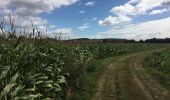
(126, 79)
(152, 86)
(128, 85)
(105, 90)
(106, 85)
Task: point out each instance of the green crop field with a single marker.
(58, 71)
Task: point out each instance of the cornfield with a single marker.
(32, 71)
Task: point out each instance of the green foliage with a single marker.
(161, 60)
(159, 67)
(40, 70)
(29, 72)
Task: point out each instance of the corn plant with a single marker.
(31, 73)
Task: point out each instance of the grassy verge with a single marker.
(88, 82)
(158, 66)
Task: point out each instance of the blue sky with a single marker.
(71, 17)
(130, 19)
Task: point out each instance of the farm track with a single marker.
(126, 79)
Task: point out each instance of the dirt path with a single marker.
(126, 79)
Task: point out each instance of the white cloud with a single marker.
(52, 26)
(93, 19)
(83, 27)
(33, 7)
(145, 5)
(133, 1)
(137, 7)
(25, 11)
(145, 30)
(5, 12)
(124, 10)
(4, 3)
(90, 19)
(125, 13)
(90, 3)
(110, 20)
(37, 21)
(154, 12)
(166, 2)
(82, 12)
(64, 33)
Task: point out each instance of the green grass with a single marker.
(158, 65)
(89, 81)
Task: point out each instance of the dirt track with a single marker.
(126, 79)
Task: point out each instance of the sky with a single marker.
(128, 19)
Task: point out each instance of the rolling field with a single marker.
(44, 70)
